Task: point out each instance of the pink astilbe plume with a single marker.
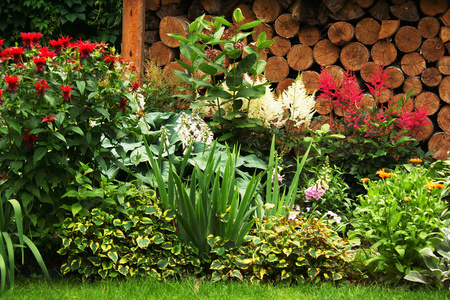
(378, 81)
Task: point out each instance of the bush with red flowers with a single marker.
(59, 104)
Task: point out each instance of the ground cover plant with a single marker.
(123, 191)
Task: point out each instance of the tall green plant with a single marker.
(208, 203)
(11, 238)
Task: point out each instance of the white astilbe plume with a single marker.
(192, 128)
(299, 103)
(266, 108)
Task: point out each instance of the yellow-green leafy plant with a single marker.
(127, 236)
(295, 250)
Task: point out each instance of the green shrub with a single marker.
(132, 237)
(59, 108)
(398, 216)
(297, 250)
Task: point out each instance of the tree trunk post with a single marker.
(133, 30)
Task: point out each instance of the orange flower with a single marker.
(432, 185)
(415, 160)
(383, 174)
(365, 179)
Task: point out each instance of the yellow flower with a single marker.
(269, 205)
(432, 185)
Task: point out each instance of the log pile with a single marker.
(410, 38)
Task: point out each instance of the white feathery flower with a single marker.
(299, 104)
(192, 128)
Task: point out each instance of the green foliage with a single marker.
(298, 250)
(208, 204)
(127, 236)
(223, 86)
(86, 19)
(437, 262)
(398, 216)
(46, 133)
(12, 239)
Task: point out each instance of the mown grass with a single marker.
(191, 288)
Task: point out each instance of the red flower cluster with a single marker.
(4, 176)
(135, 85)
(46, 52)
(30, 39)
(111, 59)
(85, 48)
(30, 139)
(41, 86)
(16, 53)
(39, 61)
(12, 82)
(1, 42)
(48, 119)
(123, 105)
(61, 43)
(66, 89)
(211, 53)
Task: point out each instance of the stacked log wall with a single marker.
(411, 39)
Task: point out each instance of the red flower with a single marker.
(123, 104)
(4, 176)
(111, 59)
(60, 43)
(16, 53)
(66, 89)
(12, 82)
(45, 52)
(1, 42)
(135, 85)
(30, 39)
(30, 139)
(1, 100)
(41, 86)
(48, 119)
(40, 63)
(85, 48)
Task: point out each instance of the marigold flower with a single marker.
(432, 185)
(383, 174)
(66, 89)
(365, 179)
(48, 119)
(415, 160)
(12, 82)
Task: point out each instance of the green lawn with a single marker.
(190, 288)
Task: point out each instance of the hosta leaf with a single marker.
(158, 239)
(96, 261)
(216, 276)
(338, 276)
(66, 241)
(176, 250)
(65, 268)
(117, 222)
(301, 261)
(237, 274)
(94, 246)
(143, 242)
(254, 280)
(282, 264)
(313, 272)
(272, 258)
(127, 225)
(162, 264)
(106, 265)
(287, 251)
(167, 246)
(103, 273)
(119, 234)
(113, 256)
(285, 275)
(217, 265)
(329, 253)
(123, 270)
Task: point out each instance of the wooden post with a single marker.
(133, 30)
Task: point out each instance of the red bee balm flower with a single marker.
(123, 104)
(40, 63)
(111, 59)
(66, 89)
(41, 86)
(4, 176)
(135, 85)
(48, 119)
(30, 39)
(85, 48)
(30, 139)
(16, 53)
(12, 82)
